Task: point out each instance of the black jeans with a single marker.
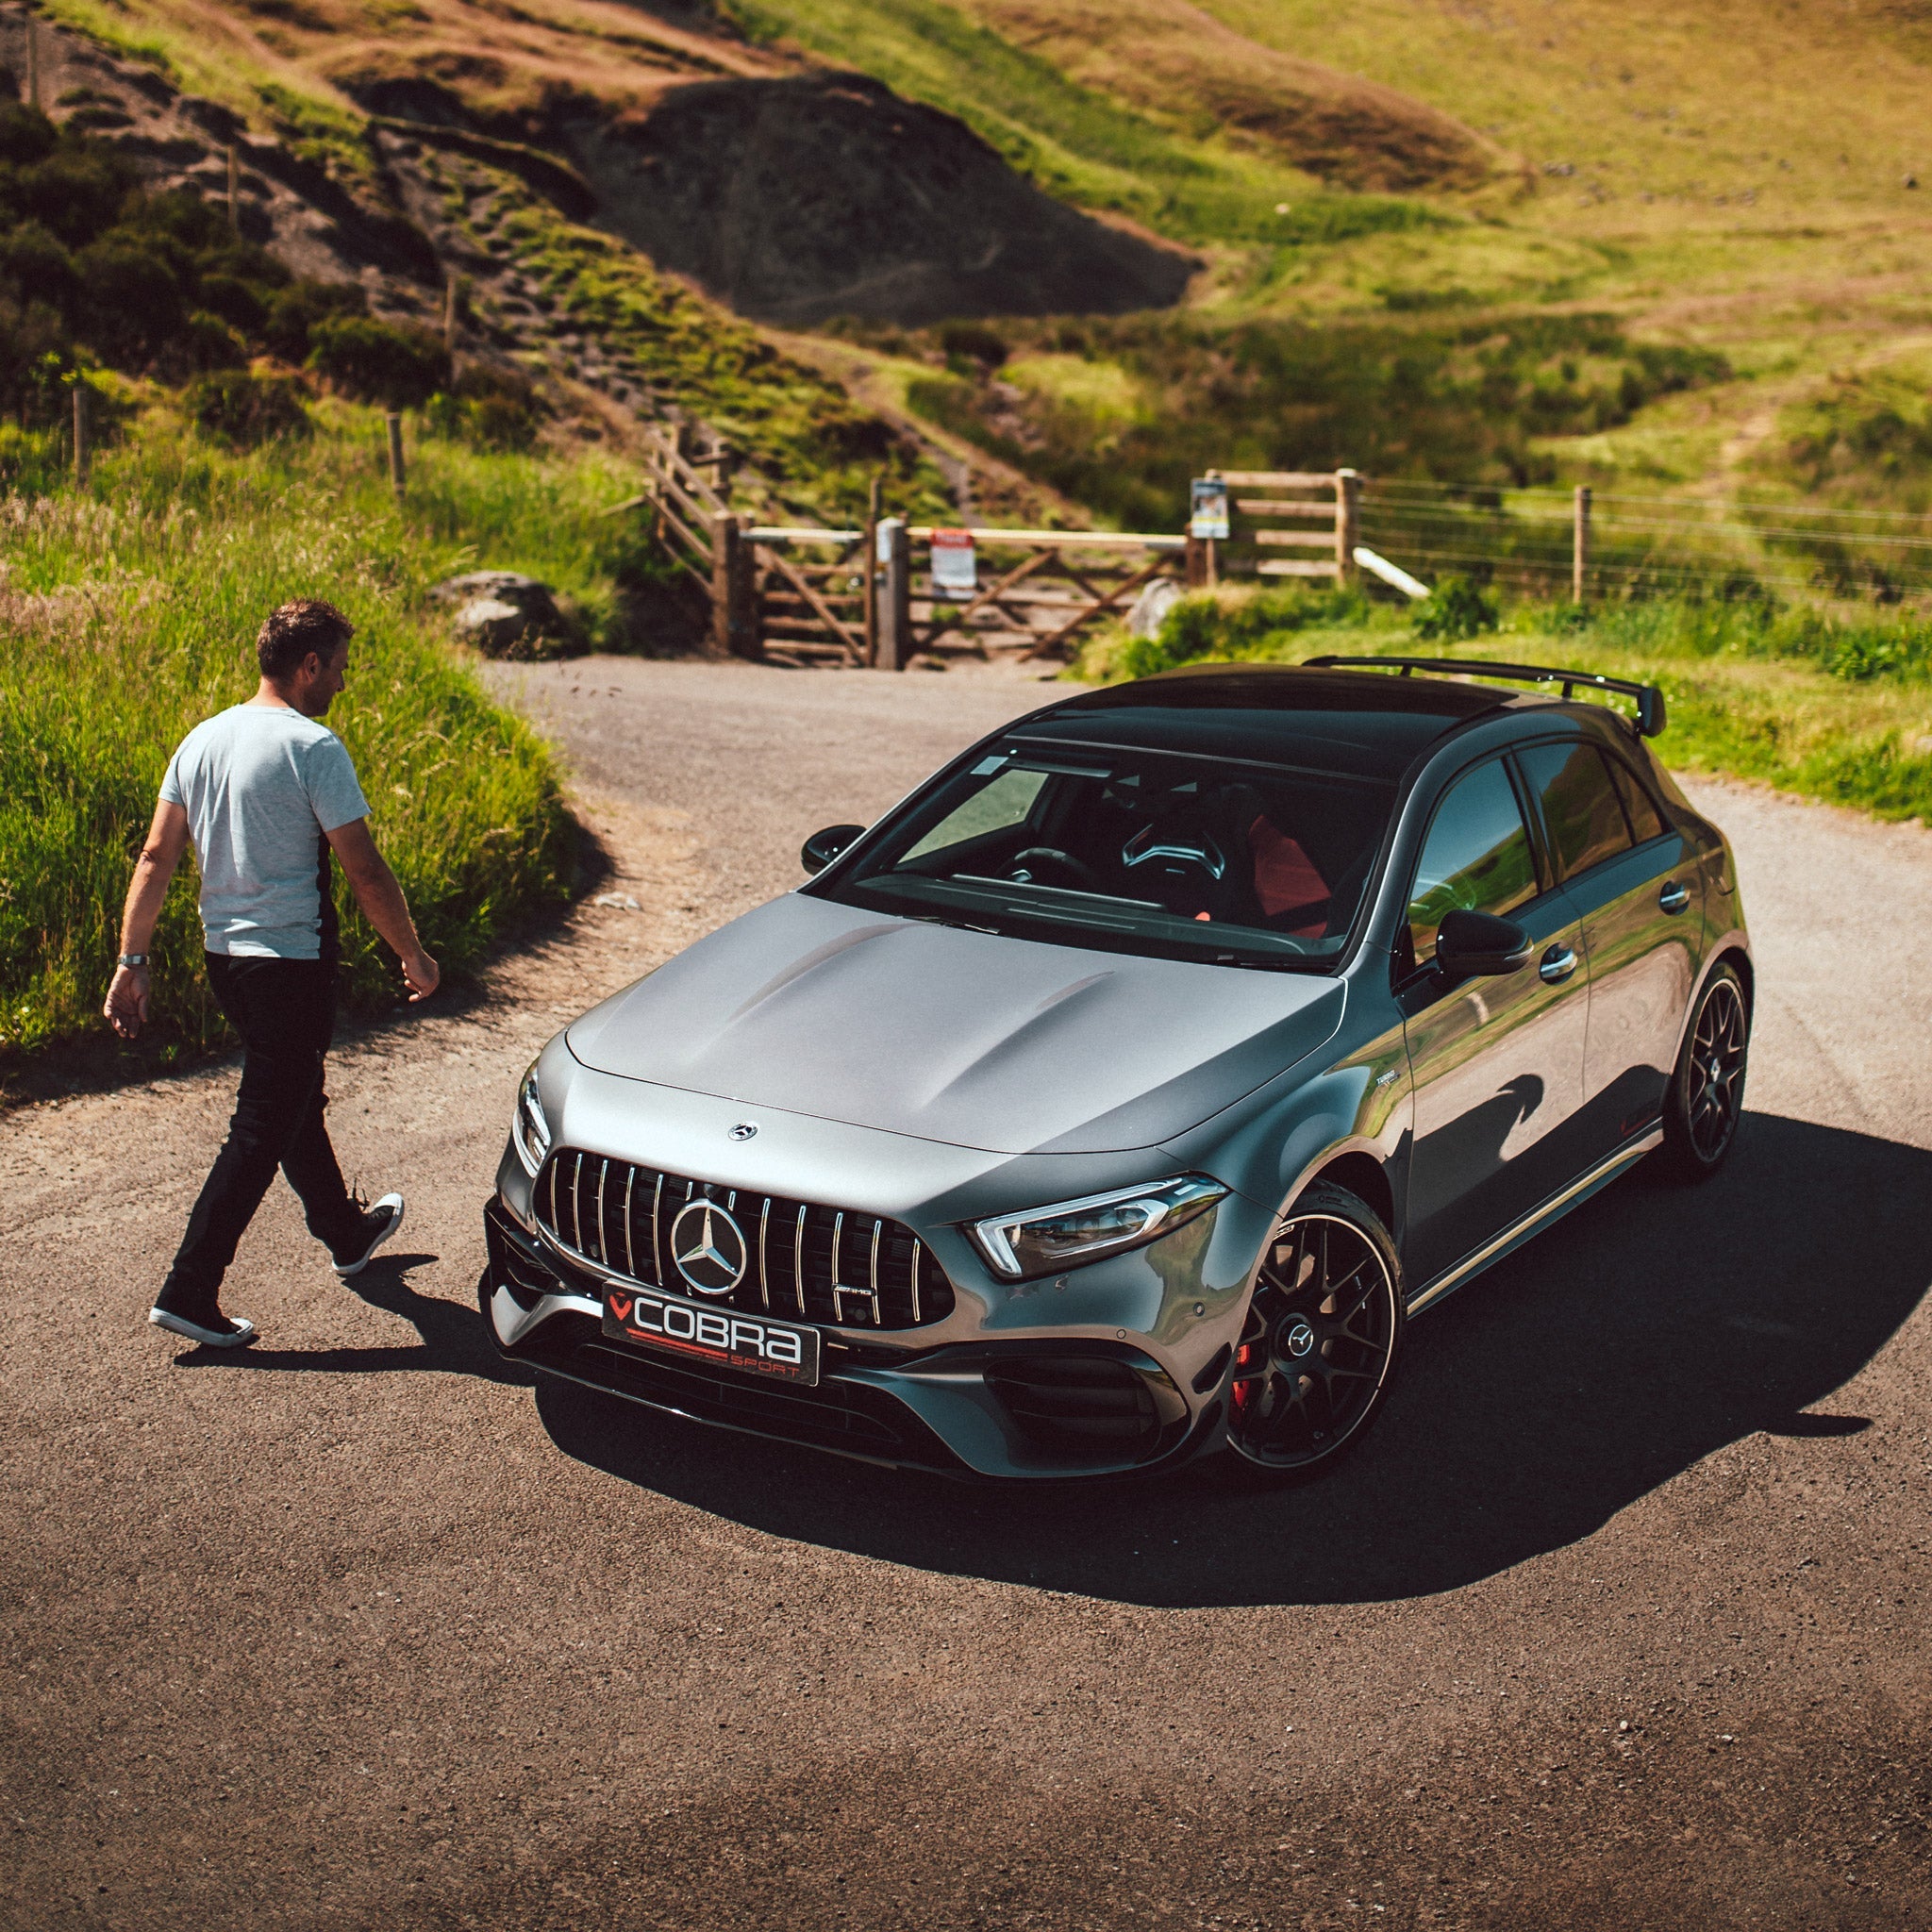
(285, 1011)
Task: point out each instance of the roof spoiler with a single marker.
(1651, 713)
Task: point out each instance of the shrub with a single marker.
(396, 364)
(294, 311)
(488, 408)
(1234, 623)
(1457, 607)
(240, 409)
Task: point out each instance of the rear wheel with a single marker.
(1705, 1099)
(1318, 1350)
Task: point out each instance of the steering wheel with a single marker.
(1047, 865)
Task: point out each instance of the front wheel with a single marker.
(1318, 1350)
(1706, 1100)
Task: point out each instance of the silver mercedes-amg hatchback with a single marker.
(1117, 1098)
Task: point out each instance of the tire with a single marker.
(1320, 1344)
(1705, 1102)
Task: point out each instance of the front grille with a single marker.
(811, 1262)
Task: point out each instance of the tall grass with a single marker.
(1831, 705)
(128, 613)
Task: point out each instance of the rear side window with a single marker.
(1646, 822)
(1478, 856)
(1580, 809)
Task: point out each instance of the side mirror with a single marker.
(1478, 943)
(1652, 714)
(823, 847)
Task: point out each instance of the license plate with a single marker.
(751, 1343)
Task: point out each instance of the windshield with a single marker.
(1169, 853)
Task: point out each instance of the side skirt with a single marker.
(1533, 1223)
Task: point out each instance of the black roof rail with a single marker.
(1651, 713)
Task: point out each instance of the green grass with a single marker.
(129, 612)
(1836, 706)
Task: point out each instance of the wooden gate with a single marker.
(1034, 592)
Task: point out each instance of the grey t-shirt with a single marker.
(261, 786)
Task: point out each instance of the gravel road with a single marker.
(1619, 1620)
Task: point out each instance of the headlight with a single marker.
(1044, 1239)
(529, 1132)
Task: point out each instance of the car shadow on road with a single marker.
(1653, 1326)
(452, 1342)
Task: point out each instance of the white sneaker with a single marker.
(230, 1335)
(379, 1223)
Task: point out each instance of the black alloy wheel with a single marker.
(1317, 1349)
(1707, 1096)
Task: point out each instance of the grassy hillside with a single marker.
(128, 611)
(1837, 708)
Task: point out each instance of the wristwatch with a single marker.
(132, 960)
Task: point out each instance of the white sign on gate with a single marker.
(1209, 502)
(954, 571)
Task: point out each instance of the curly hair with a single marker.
(288, 634)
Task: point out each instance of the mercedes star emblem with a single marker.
(743, 1131)
(709, 1247)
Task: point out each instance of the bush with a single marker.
(1237, 624)
(487, 408)
(396, 364)
(1457, 607)
(294, 311)
(243, 410)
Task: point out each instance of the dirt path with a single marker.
(1618, 1621)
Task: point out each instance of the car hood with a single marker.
(962, 1037)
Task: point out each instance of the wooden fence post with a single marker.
(734, 629)
(869, 558)
(1348, 521)
(396, 474)
(1579, 546)
(1199, 557)
(895, 595)
(83, 455)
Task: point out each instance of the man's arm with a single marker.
(167, 840)
(381, 900)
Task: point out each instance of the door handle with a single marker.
(1673, 898)
(1557, 964)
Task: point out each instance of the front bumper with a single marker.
(1050, 1404)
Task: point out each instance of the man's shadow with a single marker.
(452, 1343)
(1653, 1325)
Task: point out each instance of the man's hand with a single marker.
(381, 900)
(126, 1007)
(423, 974)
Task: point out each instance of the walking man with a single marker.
(267, 793)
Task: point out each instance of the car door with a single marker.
(1635, 882)
(1497, 1061)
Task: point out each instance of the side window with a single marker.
(1004, 802)
(1585, 821)
(1477, 857)
(1645, 820)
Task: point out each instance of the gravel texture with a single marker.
(1619, 1618)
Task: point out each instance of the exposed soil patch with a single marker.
(816, 195)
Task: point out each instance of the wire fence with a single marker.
(1636, 544)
